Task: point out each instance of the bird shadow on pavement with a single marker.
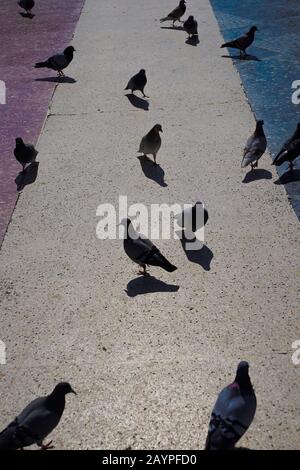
(258, 174)
(28, 176)
(175, 28)
(56, 79)
(147, 285)
(242, 58)
(27, 15)
(193, 41)
(138, 102)
(152, 171)
(203, 256)
(290, 176)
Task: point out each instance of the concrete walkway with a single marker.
(148, 366)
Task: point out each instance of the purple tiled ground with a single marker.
(24, 42)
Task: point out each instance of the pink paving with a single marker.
(24, 42)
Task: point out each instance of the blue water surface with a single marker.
(268, 80)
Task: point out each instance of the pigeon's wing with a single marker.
(143, 144)
(39, 423)
(174, 14)
(138, 249)
(289, 149)
(255, 148)
(58, 61)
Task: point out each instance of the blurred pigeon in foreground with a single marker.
(27, 5)
(137, 82)
(255, 147)
(36, 421)
(175, 14)
(233, 412)
(151, 142)
(24, 153)
(58, 62)
(290, 150)
(193, 218)
(243, 42)
(191, 26)
(142, 251)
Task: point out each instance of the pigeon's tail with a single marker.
(164, 19)
(159, 260)
(227, 44)
(280, 158)
(40, 65)
(8, 439)
(248, 158)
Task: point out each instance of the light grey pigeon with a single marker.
(193, 218)
(233, 412)
(36, 421)
(175, 14)
(24, 153)
(243, 42)
(151, 142)
(255, 147)
(191, 26)
(58, 62)
(290, 150)
(138, 82)
(142, 251)
(27, 5)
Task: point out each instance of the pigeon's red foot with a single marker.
(47, 446)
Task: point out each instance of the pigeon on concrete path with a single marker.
(36, 421)
(233, 412)
(193, 218)
(175, 14)
(191, 26)
(255, 147)
(138, 82)
(290, 150)
(142, 251)
(151, 142)
(243, 42)
(24, 153)
(58, 62)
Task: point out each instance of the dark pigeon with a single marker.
(138, 82)
(290, 150)
(175, 14)
(233, 412)
(58, 62)
(193, 218)
(24, 153)
(36, 421)
(27, 5)
(191, 26)
(151, 142)
(255, 147)
(243, 42)
(142, 251)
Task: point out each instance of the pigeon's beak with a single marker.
(73, 391)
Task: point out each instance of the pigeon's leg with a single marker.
(291, 166)
(144, 272)
(47, 446)
(144, 94)
(154, 156)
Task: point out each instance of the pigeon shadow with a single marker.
(56, 79)
(290, 176)
(203, 256)
(152, 171)
(193, 41)
(258, 174)
(27, 15)
(148, 285)
(28, 176)
(138, 102)
(242, 58)
(175, 28)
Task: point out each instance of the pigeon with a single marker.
(24, 153)
(58, 62)
(290, 150)
(191, 26)
(175, 14)
(142, 251)
(36, 421)
(243, 42)
(233, 412)
(193, 218)
(137, 82)
(255, 147)
(27, 5)
(151, 142)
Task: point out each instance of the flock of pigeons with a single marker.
(235, 407)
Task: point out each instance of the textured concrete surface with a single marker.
(24, 42)
(148, 366)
